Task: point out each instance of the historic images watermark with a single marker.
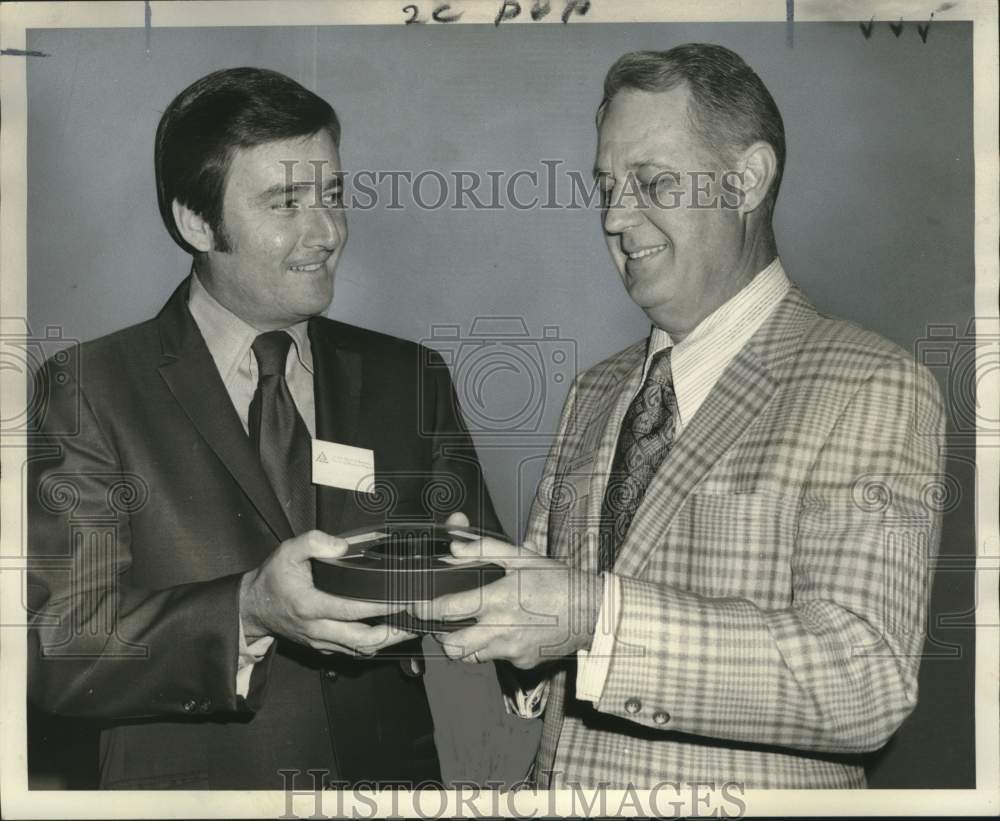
(548, 186)
(47, 362)
(509, 379)
(324, 797)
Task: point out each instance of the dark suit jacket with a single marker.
(146, 504)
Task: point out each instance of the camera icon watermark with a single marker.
(48, 363)
(967, 360)
(508, 381)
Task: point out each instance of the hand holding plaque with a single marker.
(404, 562)
(540, 610)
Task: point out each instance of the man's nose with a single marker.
(621, 210)
(325, 228)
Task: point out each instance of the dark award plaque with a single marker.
(406, 562)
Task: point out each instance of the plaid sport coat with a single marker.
(774, 581)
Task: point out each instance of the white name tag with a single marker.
(343, 466)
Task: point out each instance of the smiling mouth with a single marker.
(306, 269)
(642, 253)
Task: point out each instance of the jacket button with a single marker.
(190, 705)
(330, 674)
(205, 705)
(661, 717)
(633, 706)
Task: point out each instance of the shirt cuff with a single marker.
(592, 665)
(249, 655)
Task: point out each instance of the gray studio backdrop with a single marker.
(875, 222)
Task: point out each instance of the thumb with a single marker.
(499, 552)
(486, 548)
(319, 545)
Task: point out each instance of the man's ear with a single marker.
(196, 232)
(759, 167)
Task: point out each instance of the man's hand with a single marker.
(541, 610)
(279, 599)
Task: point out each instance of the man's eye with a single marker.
(666, 181)
(285, 205)
(333, 199)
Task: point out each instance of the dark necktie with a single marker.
(646, 437)
(279, 434)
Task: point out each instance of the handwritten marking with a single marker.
(511, 9)
(440, 16)
(412, 9)
(924, 30)
(897, 28)
(581, 7)
(508, 11)
(19, 52)
(540, 10)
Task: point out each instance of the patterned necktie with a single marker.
(646, 437)
(279, 434)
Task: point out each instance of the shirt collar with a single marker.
(229, 338)
(699, 359)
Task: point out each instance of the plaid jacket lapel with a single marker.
(742, 392)
(600, 409)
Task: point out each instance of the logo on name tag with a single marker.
(343, 466)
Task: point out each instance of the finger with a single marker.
(394, 635)
(480, 636)
(471, 643)
(361, 638)
(450, 607)
(354, 609)
(319, 605)
(456, 649)
(496, 551)
(457, 519)
(329, 648)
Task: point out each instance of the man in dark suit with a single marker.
(172, 516)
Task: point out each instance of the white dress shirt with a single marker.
(229, 340)
(696, 364)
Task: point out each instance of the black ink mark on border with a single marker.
(924, 30)
(866, 28)
(897, 28)
(508, 11)
(440, 16)
(20, 52)
(580, 7)
(540, 9)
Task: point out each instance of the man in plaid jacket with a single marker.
(725, 576)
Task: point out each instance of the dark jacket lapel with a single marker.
(337, 382)
(190, 373)
(742, 392)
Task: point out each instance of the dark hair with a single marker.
(205, 124)
(730, 107)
